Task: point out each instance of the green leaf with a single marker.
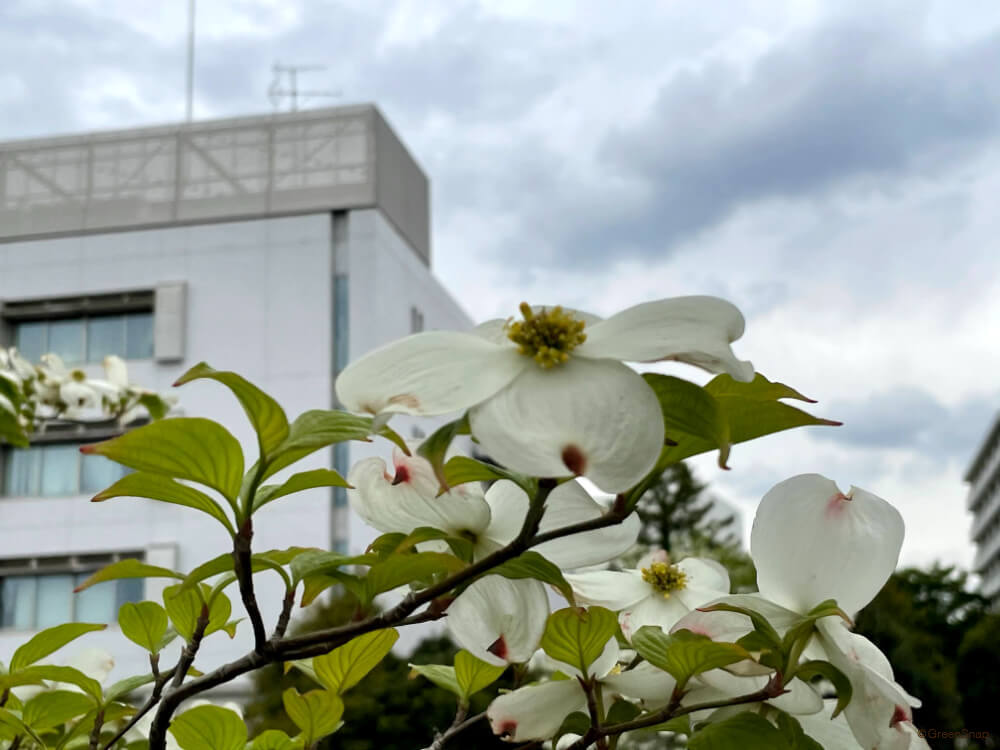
(128, 568)
(10, 719)
(793, 733)
(55, 707)
(191, 448)
(155, 405)
(691, 410)
(73, 676)
(49, 640)
(622, 711)
(746, 731)
(321, 562)
(11, 430)
(752, 410)
(143, 623)
(578, 636)
(266, 416)
(387, 544)
(185, 607)
(317, 429)
(435, 447)
(768, 636)
(441, 675)
(167, 490)
(271, 560)
(125, 686)
(462, 469)
(818, 668)
(408, 568)
(531, 564)
(317, 713)
(305, 480)
(274, 739)
(473, 674)
(684, 654)
(576, 723)
(345, 666)
(209, 728)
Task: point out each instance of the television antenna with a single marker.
(286, 86)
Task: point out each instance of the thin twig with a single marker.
(459, 725)
(154, 697)
(243, 564)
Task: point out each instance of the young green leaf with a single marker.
(691, 410)
(441, 675)
(275, 739)
(166, 490)
(185, 607)
(317, 713)
(125, 686)
(818, 668)
(408, 568)
(266, 416)
(462, 469)
(344, 667)
(684, 654)
(746, 731)
(191, 448)
(578, 636)
(209, 728)
(54, 708)
(128, 568)
(435, 447)
(305, 480)
(143, 623)
(49, 640)
(473, 675)
(71, 675)
(317, 429)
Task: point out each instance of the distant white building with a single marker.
(280, 247)
(983, 476)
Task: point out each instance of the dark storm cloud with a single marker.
(907, 418)
(869, 99)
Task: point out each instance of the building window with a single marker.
(37, 593)
(341, 323)
(416, 320)
(57, 470)
(84, 339)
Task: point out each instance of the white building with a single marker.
(280, 247)
(983, 476)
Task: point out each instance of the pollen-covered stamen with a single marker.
(547, 336)
(665, 578)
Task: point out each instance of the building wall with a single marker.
(258, 302)
(983, 477)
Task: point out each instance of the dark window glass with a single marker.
(66, 339)
(31, 340)
(98, 473)
(139, 336)
(17, 602)
(60, 469)
(54, 603)
(105, 336)
(23, 473)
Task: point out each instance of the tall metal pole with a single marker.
(189, 112)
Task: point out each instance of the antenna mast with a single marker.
(286, 85)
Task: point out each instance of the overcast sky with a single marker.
(831, 167)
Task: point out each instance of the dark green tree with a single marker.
(979, 677)
(920, 620)
(390, 709)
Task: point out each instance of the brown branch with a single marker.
(243, 564)
(161, 681)
(673, 710)
(459, 725)
(590, 689)
(191, 648)
(285, 615)
(95, 735)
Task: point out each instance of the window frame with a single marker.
(75, 565)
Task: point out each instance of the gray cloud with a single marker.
(907, 418)
(858, 99)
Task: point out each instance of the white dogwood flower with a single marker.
(658, 592)
(549, 395)
(810, 543)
